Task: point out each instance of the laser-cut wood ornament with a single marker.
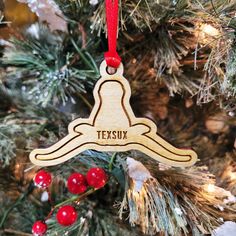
(112, 126)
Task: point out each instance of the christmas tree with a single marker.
(179, 57)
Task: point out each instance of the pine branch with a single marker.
(16, 203)
(56, 72)
(173, 200)
(16, 232)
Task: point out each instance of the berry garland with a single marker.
(66, 215)
(39, 228)
(42, 179)
(77, 184)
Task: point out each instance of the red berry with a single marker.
(66, 215)
(96, 177)
(76, 183)
(39, 228)
(42, 179)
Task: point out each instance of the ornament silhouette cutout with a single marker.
(112, 126)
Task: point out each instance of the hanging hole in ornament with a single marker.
(111, 70)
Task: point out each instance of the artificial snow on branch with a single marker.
(55, 71)
(175, 200)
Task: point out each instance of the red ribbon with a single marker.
(112, 58)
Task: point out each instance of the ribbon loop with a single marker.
(112, 58)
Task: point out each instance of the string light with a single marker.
(206, 33)
(232, 175)
(210, 188)
(17, 166)
(209, 30)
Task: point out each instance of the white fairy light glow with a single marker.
(209, 30)
(211, 188)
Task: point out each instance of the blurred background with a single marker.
(180, 60)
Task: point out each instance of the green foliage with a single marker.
(229, 84)
(7, 144)
(158, 41)
(56, 69)
(91, 222)
(22, 122)
(76, 10)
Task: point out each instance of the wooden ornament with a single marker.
(112, 126)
